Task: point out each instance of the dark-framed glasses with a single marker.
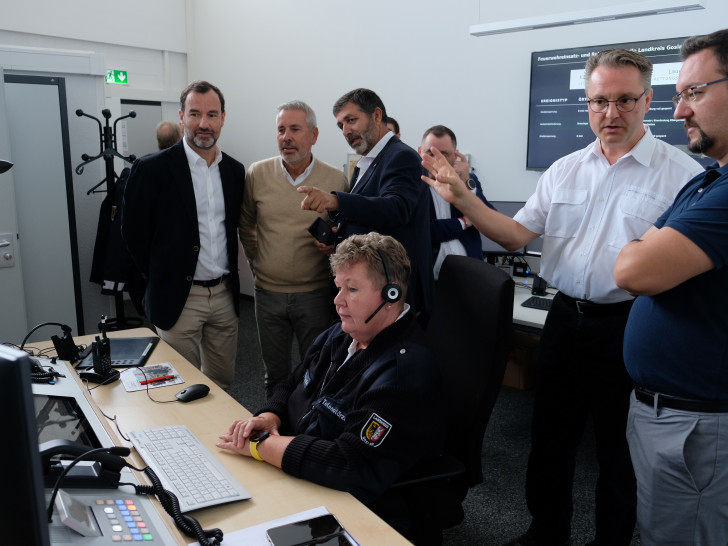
(623, 104)
(689, 93)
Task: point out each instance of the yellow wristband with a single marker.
(253, 445)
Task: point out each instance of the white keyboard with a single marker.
(186, 467)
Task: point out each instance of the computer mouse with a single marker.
(193, 392)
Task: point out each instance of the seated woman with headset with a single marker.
(362, 407)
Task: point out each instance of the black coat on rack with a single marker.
(112, 267)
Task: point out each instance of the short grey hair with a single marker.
(303, 107)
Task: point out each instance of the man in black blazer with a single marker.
(179, 221)
(386, 194)
(451, 231)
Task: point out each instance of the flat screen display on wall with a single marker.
(558, 121)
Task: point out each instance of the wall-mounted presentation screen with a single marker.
(558, 121)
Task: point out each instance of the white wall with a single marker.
(418, 56)
(156, 24)
(145, 38)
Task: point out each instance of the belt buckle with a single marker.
(578, 307)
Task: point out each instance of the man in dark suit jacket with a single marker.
(181, 207)
(386, 196)
(451, 231)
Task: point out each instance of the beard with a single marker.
(204, 141)
(367, 138)
(702, 144)
(292, 157)
(363, 145)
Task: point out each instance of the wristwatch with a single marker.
(254, 441)
(470, 183)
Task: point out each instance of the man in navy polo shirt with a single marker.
(675, 343)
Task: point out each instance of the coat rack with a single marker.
(108, 151)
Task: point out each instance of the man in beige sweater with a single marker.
(293, 285)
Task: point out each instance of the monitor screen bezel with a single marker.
(490, 248)
(535, 248)
(21, 458)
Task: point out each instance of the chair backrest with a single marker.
(469, 331)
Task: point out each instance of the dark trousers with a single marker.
(580, 374)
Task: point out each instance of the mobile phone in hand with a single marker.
(322, 232)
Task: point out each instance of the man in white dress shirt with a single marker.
(179, 221)
(587, 205)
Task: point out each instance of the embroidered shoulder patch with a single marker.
(375, 430)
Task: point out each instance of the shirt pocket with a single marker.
(642, 204)
(568, 207)
(639, 209)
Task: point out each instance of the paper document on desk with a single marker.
(132, 378)
(255, 535)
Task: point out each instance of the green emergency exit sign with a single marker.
(116, 76)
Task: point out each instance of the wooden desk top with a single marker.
(274, 493)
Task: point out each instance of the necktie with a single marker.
(354, 177)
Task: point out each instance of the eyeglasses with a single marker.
(689, 93)
(624, 104)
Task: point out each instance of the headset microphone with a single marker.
(375, 312)
(391, 292)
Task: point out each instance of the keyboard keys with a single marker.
(186, 467)
(536, 302)
(125, 521)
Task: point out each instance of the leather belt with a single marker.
(584, 307)
(684, 404)
(212, 282)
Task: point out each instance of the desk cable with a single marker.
(187, 524)
(114, 419)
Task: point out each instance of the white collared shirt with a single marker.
(454, 246)
(212, 261)
(366, 161)
(301, 177)
(588, 210)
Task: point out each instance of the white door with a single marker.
(13, 318)
(46, 225)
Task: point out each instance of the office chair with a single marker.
(469, 332)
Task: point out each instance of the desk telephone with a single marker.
(105, 472)
(101, 470)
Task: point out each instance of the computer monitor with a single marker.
(491, 249)
(23, 515)
(534, 247)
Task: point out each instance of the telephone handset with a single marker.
(102, 472)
